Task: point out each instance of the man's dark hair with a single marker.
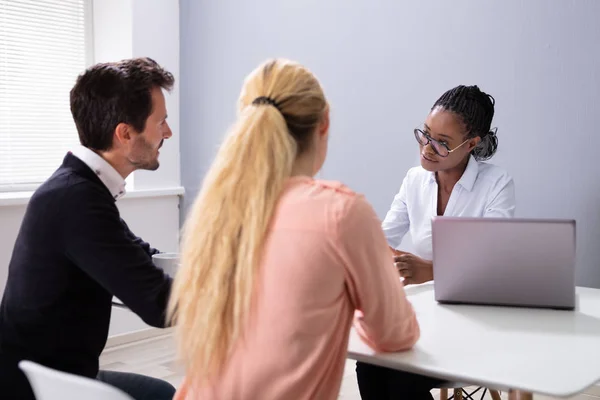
(108, 94)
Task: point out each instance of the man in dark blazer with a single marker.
(74, 252)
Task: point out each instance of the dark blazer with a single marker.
(72, 254)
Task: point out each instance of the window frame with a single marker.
(88, 15)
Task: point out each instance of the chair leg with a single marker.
(515, 395)
(495, 394)
(458, 394)
(444, 394)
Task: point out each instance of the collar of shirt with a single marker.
(113, 181)
(467, 180)
(484, 190)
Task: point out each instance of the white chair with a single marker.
(49, 384)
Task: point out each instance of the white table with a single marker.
(519, 350)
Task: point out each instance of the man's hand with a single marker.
(413, 269)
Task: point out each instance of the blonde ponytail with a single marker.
(225, 232)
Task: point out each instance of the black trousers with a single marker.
(379, 383)
(140, 387)
(15, 386)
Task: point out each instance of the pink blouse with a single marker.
(326, 265)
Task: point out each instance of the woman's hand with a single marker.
(413, 269)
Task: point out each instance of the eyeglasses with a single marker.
(441, 149)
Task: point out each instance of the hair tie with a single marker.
(492, 132)
(265, 100)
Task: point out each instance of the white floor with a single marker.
(156, 357)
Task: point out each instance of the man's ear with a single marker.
(123, 133)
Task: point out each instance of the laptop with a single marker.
(504, 262)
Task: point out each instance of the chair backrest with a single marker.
(49, 384)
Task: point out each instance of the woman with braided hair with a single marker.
(453, 180)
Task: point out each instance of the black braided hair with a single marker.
(476, 109)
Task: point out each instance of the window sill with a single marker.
(22, 198)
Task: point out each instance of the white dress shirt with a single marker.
(113, 180)
(484, 190)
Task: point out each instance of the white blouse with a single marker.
(484, 190)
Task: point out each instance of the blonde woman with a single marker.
(275, 264)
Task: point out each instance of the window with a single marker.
(43, 48)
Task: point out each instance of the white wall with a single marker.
(10, 221)
(112, 30)
(145, 28)
(383, 63)
(156, 35)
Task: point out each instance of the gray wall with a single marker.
(383, 63)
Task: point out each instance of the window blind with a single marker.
(43, 48)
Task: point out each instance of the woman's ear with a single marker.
(474, 142)
(324, 125)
